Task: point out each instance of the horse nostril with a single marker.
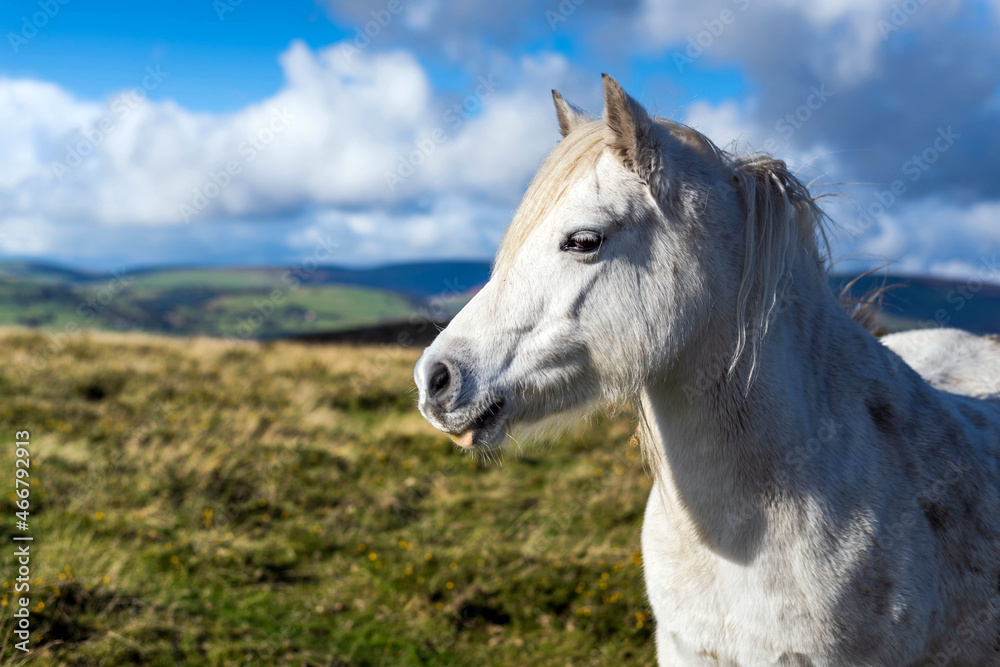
(439, 380)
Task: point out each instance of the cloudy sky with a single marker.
(253, 132)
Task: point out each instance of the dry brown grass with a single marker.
(205, 502)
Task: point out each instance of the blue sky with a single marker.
(120, 120)
(95, 48)
(224, 56)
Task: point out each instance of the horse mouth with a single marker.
(485, 429)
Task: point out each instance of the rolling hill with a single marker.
(241, 303)
(370, 304)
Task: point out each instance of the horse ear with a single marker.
(570, 116)
(631, 132)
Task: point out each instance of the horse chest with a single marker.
(711, 611)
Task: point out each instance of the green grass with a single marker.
(210, 503)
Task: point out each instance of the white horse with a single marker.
(816, 501)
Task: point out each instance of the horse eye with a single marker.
(585, 241)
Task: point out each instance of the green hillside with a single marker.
(243, 303)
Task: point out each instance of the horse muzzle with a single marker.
(449, 400)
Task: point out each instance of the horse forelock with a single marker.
(571, 159)
(579, 152)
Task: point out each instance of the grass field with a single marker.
(201, 502)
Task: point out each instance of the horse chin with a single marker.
(486, 429)
(491, 420)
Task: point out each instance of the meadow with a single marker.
(203, 502)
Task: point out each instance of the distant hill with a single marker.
(373, 304)
(422, 280)
(916, 303)
(44, 273)
(241, 303)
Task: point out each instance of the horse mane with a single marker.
(782, 219)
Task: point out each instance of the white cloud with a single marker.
(837, 39)
(325, 142)
(27, 235)
(329, 137)
(924, 236)
(33, 117)
(453, 226)
(325, 137)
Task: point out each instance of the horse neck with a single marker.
(725, 447)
